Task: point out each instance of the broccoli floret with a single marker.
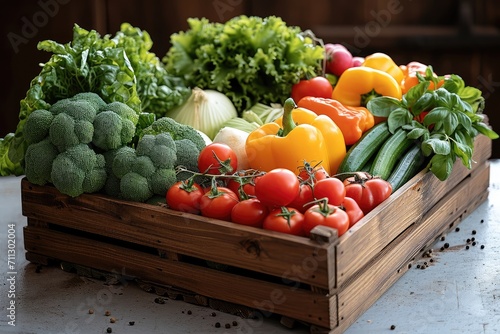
(77, 109)
(135, 187)
(151, 163)
(72, 123)
(78, 170)
(160, 148)
(38, 161)
(161, 180)
(123, 110)
(37, 126)
(176, 130)
(187, 157)
(112, 131)
(92, 98)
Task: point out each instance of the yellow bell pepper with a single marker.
(358, 85)
(381, 61)
(299, 135)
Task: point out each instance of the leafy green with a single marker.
(445, 120)
(119, 69)
(250, 59)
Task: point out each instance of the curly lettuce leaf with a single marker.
(250, 59)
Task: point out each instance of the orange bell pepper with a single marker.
(411, 79)
(383, 62)
(352, 121)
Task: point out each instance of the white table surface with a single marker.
(458, 293)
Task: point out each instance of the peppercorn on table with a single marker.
(452, 289)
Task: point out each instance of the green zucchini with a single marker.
(391, 151)
(410, 164)
(365, 148)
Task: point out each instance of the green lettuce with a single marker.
(250, 59)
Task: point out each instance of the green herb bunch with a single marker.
(250, 59)
(445, 120)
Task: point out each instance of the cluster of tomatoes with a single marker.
(278, 200)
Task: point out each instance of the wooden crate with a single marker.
(325, 281)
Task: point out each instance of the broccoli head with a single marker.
(176, 130)
(78, 170)
(72, 123)
(37, 126)
(159, 148)
(150, 164)
(92, 98)
(38, 161)
(187, 157)
(111, 130)
(123, 110)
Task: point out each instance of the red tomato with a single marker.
(185, 196)
(318, 87)
(368, 193)
(312, 174)
(327, 215)
(286, 220)
(353, 210)
(277, 188)
(243, 186)
(331, 188)
(217, 159)
(305, 196)
(218, 203)
(250, 212)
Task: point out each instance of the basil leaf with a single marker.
(422, 104)
(414, 93)
(436, 145)
(485, 130)
(397, 118)
(441, 166)
(382, 106)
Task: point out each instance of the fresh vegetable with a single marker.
(236, 140)
(204, 110)
(263, 113)
(318, 87)
(332, 189)
(304, 199)
(84, 119)
(243, 183)
(338, 58)
(274, 145)
(352, 121)
(250, 59)
(285, 220)
(175, 129)
(249, 212)
(365, 148)
(312, 174)
(118, 68)
(278, 187)
(407, 167)
(187, 156)
(325, 214)
(145, 171)
(78, 170)
(383, 62)
(413, 72)
(358, 85)
(185, 196)
(392, 150)
(218, 203)
(368, 191)
(354, 212)
(357, 61)
(447, 131)
(217, 159)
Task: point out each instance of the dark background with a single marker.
(454, 36)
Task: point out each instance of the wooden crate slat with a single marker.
(370, 235)
(390, 265)
(224, 242)
(296, 303)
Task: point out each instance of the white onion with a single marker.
(205, 110)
